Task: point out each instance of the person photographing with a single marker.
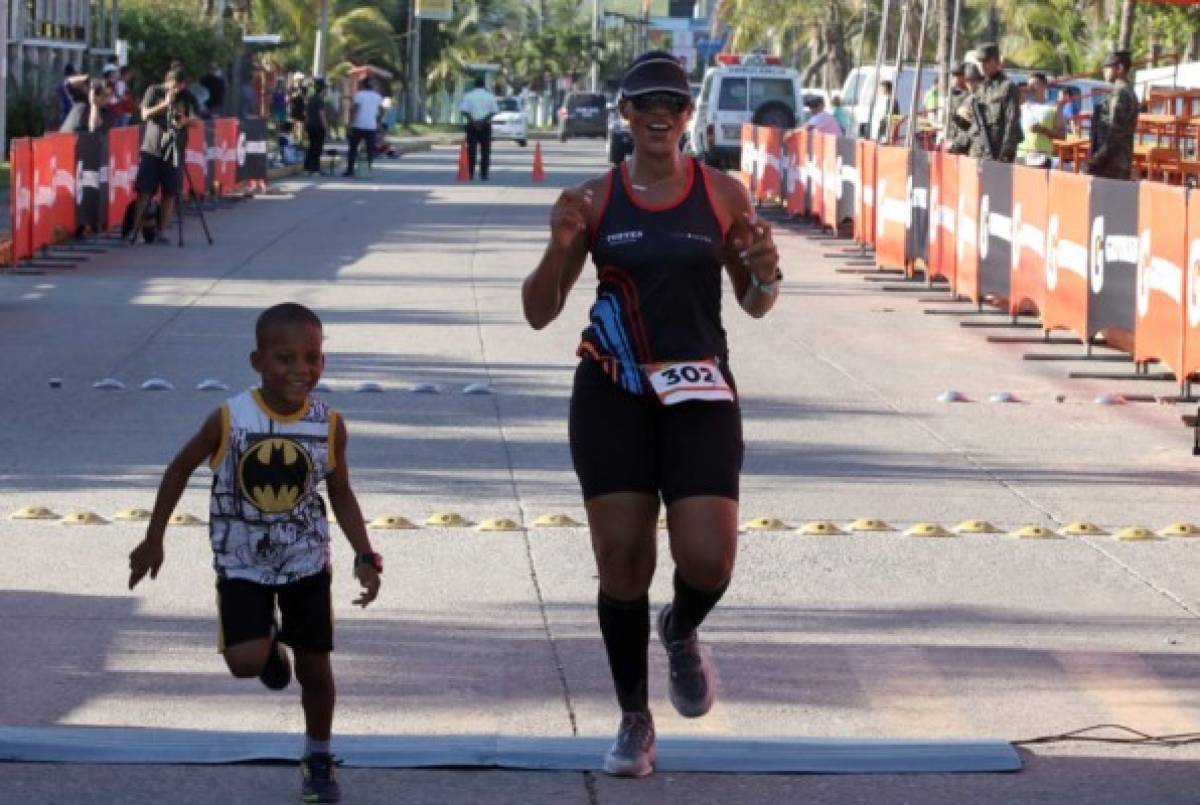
(478, 108)
(167, 109)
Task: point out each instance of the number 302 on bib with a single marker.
(693, 380)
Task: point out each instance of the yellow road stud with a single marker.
(1034, 531)
(500, 524)
(820, 528)
(447, 519)
(1081, 528)
(975, 527)
(83, 518)
(869, 524)
(1136, 533)
(34, 513)
(185, 519)
(392, 522)
(1180, 530)
(556, 521)
(132, 515)
(927, 530)
(765, 524)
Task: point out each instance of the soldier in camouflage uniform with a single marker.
(996, 110)
(957, 126)
(1114, 121)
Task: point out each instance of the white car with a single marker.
(509, 123)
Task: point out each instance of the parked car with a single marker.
(582, 115)
(620, 141)
(754, 89)
(509, 123)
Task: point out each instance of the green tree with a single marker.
(162, 31)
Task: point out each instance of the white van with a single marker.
(752, 89)
(861, 87)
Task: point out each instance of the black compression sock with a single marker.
(691, 607)
(625, 626)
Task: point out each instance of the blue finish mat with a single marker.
(112, 745)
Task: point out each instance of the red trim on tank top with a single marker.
(724, 221)
(627, 183)
(608, 191)
(628, 289)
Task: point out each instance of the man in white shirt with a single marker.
(821, 120)
(364, 122)
(477, 109)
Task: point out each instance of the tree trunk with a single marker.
(835, 43)
(1125, 25)
(814, 68)
(945, 12)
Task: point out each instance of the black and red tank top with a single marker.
(659, 297)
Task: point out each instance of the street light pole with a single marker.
(322, 38)
(595, 45)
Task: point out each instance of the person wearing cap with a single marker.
(1114, 121)
(478, 108)
(963, 116)
(654, 409)
(995, 110)
(956, 127)
(819, 119)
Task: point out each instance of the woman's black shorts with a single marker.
(625, 443)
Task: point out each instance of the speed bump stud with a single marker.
(132, 515)
(556, 521)
(500, 524)
(765, 524)
(1136, 533)
(820, 528)
(447, 519)
(392, 522)
(185, 519)
(1034, 531)
(1180, 530)
(83, 518)
(975, 527)
(1081, 528)
(865, 524)
(34, 513)
(930, 530)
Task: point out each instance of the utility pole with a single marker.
(595, 45)
(321, 42)
(414, 64)
(4, 77)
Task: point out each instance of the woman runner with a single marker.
(654, 409)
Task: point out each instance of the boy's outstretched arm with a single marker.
(147, 557)
(349, 517)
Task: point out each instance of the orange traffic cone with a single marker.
(539, 171)
(464, 163)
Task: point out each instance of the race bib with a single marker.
(692, 380)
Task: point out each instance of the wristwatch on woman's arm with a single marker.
(372, 559)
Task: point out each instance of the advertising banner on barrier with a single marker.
(225, 141)
(1191, 333)
(54, 188)
(1162, 256)
(816, 175)
(794, 175)
(210, 155)
(123, 144)
(91, 182)
(769, 183)
(891, 206)
(1028, 286)
(1065, 268)
(995, 230)
(195, 161)
(966, 250)
(866, 174)
(918, 202)
(21, 197)
(945, 208)
(832, 181)
(746, 169)
(848, 172)
(1113, 255)
(252, 150)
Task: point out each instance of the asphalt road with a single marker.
(855, 635)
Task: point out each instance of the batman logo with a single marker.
(273, 473)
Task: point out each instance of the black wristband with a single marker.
(372, 559)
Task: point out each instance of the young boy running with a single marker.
(269, 449)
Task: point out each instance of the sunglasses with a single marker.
(675, 104)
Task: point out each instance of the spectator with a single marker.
(122, 103)
(819, 119)
(1039, 124)
(315, 123)
(279, 104)
(839, 112)
(1072, 101)
(67, 99)
(75, 118)
(214, 82)
(364, 122)
(296, 104)
(888, 108)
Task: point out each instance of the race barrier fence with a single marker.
(1093, 256)
(67, 185)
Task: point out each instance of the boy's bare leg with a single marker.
(168, 209)
(246, 660)
(314, 671)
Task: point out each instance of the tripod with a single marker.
(172, 152)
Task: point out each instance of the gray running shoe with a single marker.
(277, 672)
(693, 684)
(634, 752)
(319, 784)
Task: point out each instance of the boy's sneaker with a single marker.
(277, 673)
(635, 750)
(693, 685)
(319, 784)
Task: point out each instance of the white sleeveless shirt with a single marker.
(267, 519)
